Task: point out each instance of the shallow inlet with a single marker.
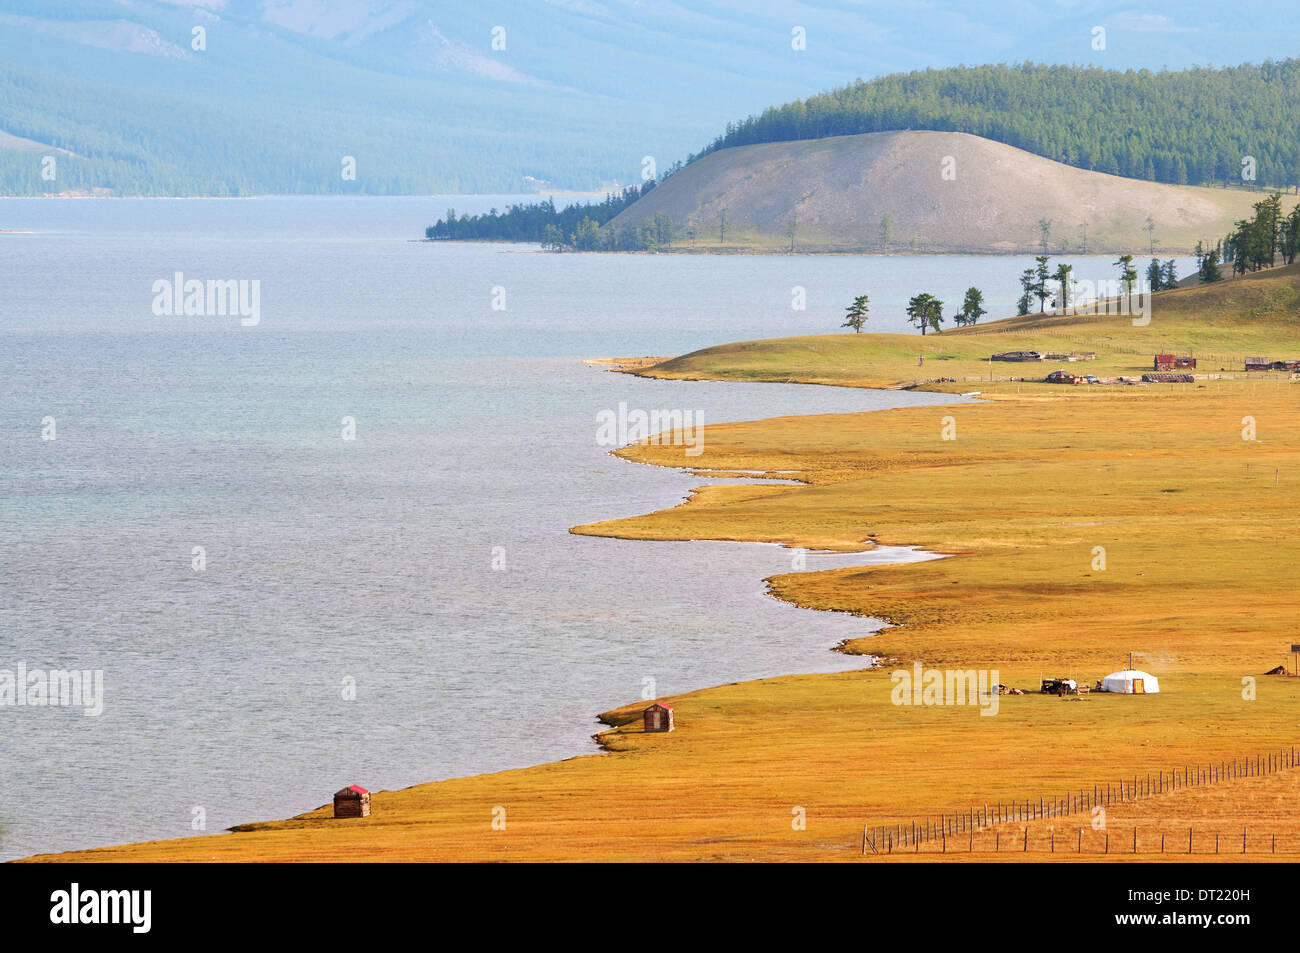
(367, 560)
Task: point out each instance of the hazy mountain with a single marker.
(489, 95)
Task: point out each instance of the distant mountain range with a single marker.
(239, 97)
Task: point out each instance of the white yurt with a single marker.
(1131, 681)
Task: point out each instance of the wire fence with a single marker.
(976, 829)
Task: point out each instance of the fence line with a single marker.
(964, 826)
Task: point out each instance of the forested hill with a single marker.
(1191, 126)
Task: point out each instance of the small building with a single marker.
(352, 801)
(1292, 366)
(659, 717)
(1168, 379)
(1257, 363)
(1059, 377)
(1131, 681)
(1018, 356)
(1172, 362)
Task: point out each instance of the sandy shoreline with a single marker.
(1134, 473)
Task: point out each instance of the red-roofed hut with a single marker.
(352, 801)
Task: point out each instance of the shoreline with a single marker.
(1018, 595)
(611, 718)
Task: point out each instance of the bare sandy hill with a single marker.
(838, 191)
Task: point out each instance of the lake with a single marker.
(332, 547)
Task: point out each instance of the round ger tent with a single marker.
(1131, 681)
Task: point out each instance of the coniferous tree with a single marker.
(1127, 273)
(1169, 274)
(1027, 280)
(1210, 267)
(1154, 275)
(1062, 277)
(856, 314)
(925, 310)
(1041, 277)
(972, 307)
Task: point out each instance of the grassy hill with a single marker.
(1221, 324)
(837, 193)
(1181, 126)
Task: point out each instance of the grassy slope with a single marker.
(1222, 324)
(839, 189)
(1199, 582)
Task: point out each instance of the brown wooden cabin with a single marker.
(1257, 363)
(352, 801)
(1172, 362)
(658, 717)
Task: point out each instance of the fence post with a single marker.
(1243, 840)
(1135, 839)
(1189, 841)
(1078, 849)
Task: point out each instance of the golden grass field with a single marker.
(1201, 538)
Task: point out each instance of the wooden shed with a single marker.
(659, 717)
(1257, 363)
(352, 801)
(1172, 362)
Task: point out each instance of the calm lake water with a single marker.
(336, 568)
